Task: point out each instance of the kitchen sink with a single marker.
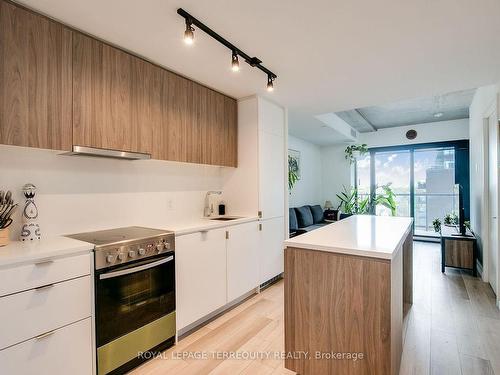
(225, 218)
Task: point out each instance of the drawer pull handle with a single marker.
(44, 287)
(44, 335)
(45, 262)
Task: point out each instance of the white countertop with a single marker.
(204, 224)
(18, 252)
(363, 235)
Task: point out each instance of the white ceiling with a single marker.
(329, 55)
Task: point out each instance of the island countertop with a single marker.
(363, 235)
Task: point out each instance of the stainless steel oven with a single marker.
(134, 295)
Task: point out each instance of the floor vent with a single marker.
(270, 282)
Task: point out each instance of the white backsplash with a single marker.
(77, 194)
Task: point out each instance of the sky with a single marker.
(394, 167)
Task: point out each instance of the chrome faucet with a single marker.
(208, 210)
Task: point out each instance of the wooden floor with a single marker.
(453, 328)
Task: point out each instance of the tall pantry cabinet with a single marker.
(258, 185)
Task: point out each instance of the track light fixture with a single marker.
(235, 64)
(189, 33)
(270, 85)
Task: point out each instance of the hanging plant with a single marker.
(354, 151)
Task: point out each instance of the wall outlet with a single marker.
(170, 204)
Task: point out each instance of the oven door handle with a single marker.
(110, 275)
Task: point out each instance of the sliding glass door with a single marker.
(422, 178)
(434, 186)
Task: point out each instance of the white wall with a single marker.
(78, 194)
(484, 99)
(307, 190)
(431, 132)
(336, 172)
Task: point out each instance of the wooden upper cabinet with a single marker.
(35, 80)
(59, 88)
(115, 97)
(197, 125)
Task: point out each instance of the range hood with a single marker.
(105, 153)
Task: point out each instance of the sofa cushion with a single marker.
(292, 220)
(304, 216)
(317, 213)
(314, 226)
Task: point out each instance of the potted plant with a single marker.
(387, 199)
(451, 219)
(436, 223)
(347, 206)
(354, 151)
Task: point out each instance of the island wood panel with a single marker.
(112, 96)
(408, 269)
(35, 80)
(397, 307)
(338, 303)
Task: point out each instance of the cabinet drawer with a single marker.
(28, 276)
(67, 350)
(31, 313)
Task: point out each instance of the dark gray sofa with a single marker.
(305, 219)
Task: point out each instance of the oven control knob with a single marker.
(142, 251)
(159, 246)
(110, 258)
(131, 254)
(167, 245)
(122, 256)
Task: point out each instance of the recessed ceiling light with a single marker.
(438, 114)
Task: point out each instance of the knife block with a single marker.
(4, 237)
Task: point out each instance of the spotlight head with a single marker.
(270, 85)
(235, 64)
(189, 33)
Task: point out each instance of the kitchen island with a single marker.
(347, 288)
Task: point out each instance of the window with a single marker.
(422, 177)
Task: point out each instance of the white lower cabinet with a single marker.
(45, 321)
(216, 267)
(242, 259)
(33, 312)
(200, 268)
(67, 350)
(271, 254)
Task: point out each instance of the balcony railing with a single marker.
(428, 206)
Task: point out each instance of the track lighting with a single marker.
(270, 85)
(189, 33)
(235, 64)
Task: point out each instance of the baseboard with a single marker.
(183, 332)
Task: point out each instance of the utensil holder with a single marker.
(4, 237)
